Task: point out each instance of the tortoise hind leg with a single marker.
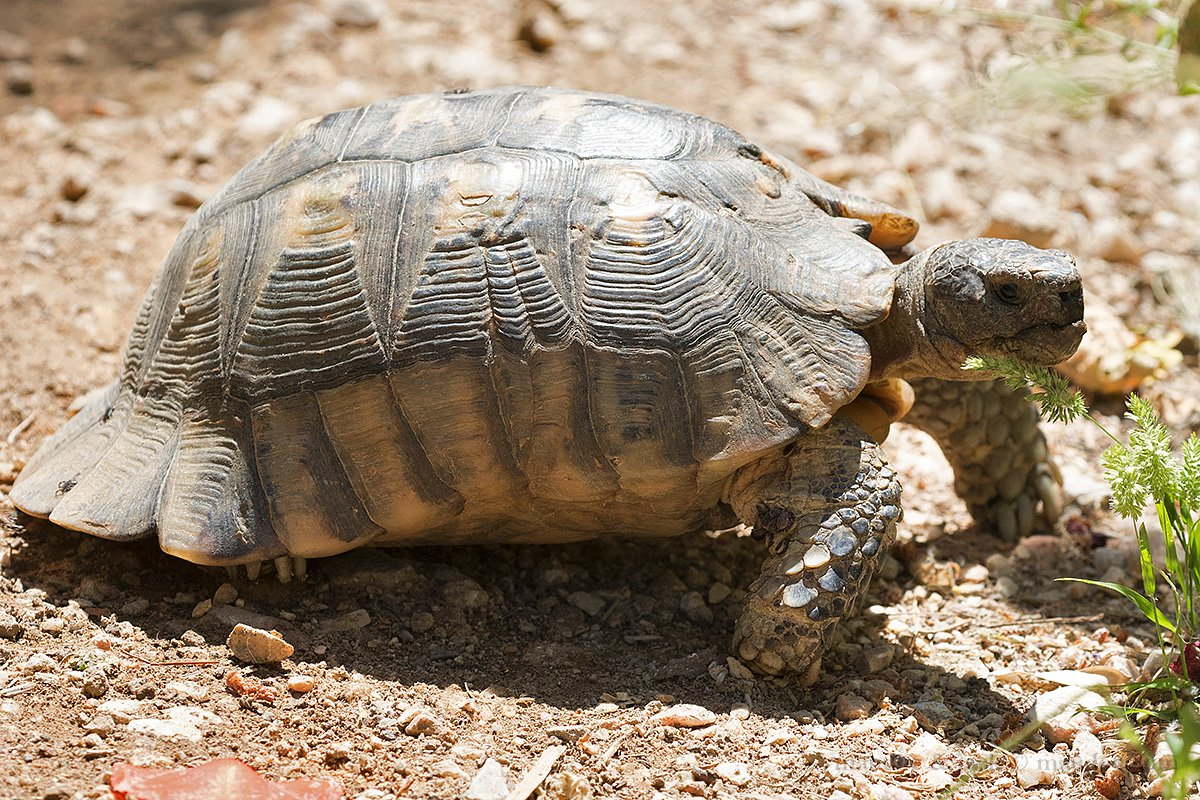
(58, 464)
(212, 510)
(989, 434)
(116, 498)
(827, 511)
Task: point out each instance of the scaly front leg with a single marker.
(989, 433)
(827, 511)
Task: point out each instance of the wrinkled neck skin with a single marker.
(909, 343)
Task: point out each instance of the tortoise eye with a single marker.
(773, 519)
(1008, 293)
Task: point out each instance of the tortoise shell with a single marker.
(515, 314)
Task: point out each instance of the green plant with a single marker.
(1145, 470)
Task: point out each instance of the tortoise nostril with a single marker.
(1072, 303)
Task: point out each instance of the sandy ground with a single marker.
(428, 662)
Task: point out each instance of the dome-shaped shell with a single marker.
(546, 296)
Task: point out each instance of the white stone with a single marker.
(936, 779)
(268, 116)
(489, 783)
(1087, 749)
(1060, 711)
(685, 715)
(886, 791)
(122, 711)
(1037, 768)
(927, 749)
(182, 722)
(733, 772)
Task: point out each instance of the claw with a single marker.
(231, 572)
(1006, 520)
(1051, 494)
(283, 568)
(253, 569)
(300, 567)
(1025, 514)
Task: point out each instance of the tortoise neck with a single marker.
(907, 344)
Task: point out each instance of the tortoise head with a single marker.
(1001, 297)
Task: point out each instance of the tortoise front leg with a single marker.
(989, 434)
(827, 511)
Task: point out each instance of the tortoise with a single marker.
(539, 315)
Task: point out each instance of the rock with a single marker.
(567, 785)
(356, 13)
(1112, 240)
(886, 791)
(876, 659)
(95, 682)
(18, 77)
(927, 749)
(73, 187)
(718, 593)
(851, 706)
(685, 715)
(355, 620)
(694, 607)
(976, 573)
(202, 608)
(779, 736)
(421, 621)
(38, 662)
(738, 670)
(9, 627)
(1037, 768)
(225, 594)
(465, 593)
(420, 723)
(301, 684)
(567, 733)
(122, 711)
(489, 783)
(1059, 711)
(936, 779)
(734, 773)
(101, 724)
(53, 625)
(587, 602)
(14, 47)
(182, 722)
(136, 607)
(932, 714)
(1087, 749)
(73, 51)
(1017, 214)
(267, 116)
(256, 646)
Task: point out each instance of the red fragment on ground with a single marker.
(1190, 659)
(245, 686)
(219, 779)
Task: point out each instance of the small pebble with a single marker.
(53, 625)
(685, 715)
(489, 783)
(256, 646)
(1037, 768)
(300, 684)
(733, 772)
(851, 706)
(875, 659)
(202, 608)
(225, 594)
